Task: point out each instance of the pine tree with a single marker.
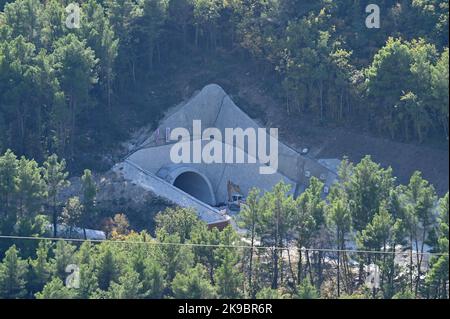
(128, 287)
(31, 188)
(207, 255)
(63, 256)
(55, 178)
(72, 213)
(75, 69)
(249, 218)
(340, 221)
(179, 221)
(89, 189)
(228, 277)
(85, 258)
(13, 272)
(382, 233)
(309, 205)
(40, 271)
(276, 219)
(438, 276)
(88, 282)
(440, 89)
(306, 291)
(97, 30)
(55, 289)
(107, 268)
(194, 284)
(8, 184)
(421, 198)
(269, 293)
(367, 187)
(173, 258)
(153, 284)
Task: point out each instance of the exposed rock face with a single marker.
(118, 195)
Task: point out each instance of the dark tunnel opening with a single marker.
(195, 185)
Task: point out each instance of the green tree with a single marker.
(367, 186)
(206, 16)
(31, 188)
(180, 14)
(268, 293)
(382, 233)
(75, 68)
(173, 257)
(53, 22)
(63, 256)
(306, 291)
(307, 221)
(385, 87)
(340, 221)
(128, 287)
(153, 280)
(440, 90)
(279, 207)
(40, 271)
(437, 277)
(194, 284)
(55, 289)
(100, 37)
(151, 274)
(55, 179)
(147, 28)
(207, 254)
(228, 276)
(72, 213)
(88, 282)
(179, 221)
(249, 218)
(107, 267)
(8, 184)
(421, 199)
(13, 272)
(89, 189)
(24, 17)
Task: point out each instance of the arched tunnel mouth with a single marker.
(195, 185)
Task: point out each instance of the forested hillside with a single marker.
(308, 247)
(70, 96)
(69, 90)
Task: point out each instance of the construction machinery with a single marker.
(235, 197)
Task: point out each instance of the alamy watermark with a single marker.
(373, 19)
(236, 146)
(73, 279)
(74, 16)
(373, 277)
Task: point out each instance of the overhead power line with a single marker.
(156, 243)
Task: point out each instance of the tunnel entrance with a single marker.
(196, 185)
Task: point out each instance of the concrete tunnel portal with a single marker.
(197, 185)
(189, 184)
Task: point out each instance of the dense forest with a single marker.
(69, 95)
(308, 247)
(68, 90)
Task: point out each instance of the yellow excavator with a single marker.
(235, 196)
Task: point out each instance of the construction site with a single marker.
(215, 190)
